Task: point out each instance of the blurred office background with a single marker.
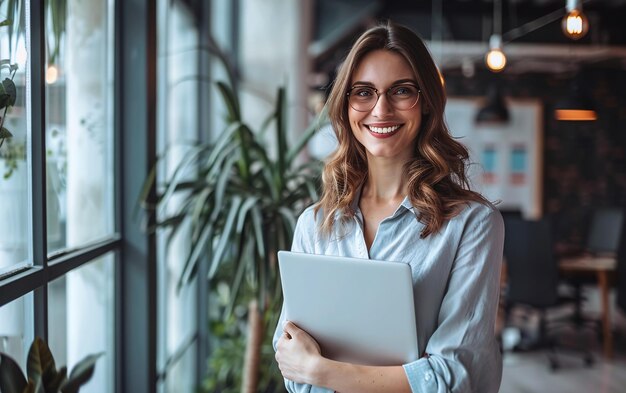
(110, 94)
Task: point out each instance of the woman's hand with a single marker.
(298, 355)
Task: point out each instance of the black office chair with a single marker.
(533, 281)
(605, 230)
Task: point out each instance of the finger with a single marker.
(290, 328)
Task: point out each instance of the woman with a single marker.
(395, 189)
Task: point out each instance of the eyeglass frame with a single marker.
(378, 94)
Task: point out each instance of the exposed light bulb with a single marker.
(495, 58)
(52, 74)
(575, 24)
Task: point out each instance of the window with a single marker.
(57, 280)
(78, 124)
(16, 328)
(81, 319)
(14, 155)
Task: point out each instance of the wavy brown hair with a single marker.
(437, 181)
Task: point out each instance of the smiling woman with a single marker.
(396, 190)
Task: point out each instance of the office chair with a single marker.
(533, 281)
(605, 230)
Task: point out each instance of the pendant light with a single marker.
(575, 24)
(495, 58)
(495, 110)
(577, 105)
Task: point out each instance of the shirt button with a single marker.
(428, 376)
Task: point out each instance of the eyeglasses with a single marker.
(400, 97)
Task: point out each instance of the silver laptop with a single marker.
(358, 310)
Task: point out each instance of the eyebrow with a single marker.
(398, 82)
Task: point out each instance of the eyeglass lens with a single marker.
(401, 97)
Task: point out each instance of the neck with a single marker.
(385, 180)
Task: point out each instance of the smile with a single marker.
(384, 131)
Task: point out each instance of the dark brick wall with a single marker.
(584, 162)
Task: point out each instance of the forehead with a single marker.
(382, 68)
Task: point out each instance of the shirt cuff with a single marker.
(421, 376)
(293, 387)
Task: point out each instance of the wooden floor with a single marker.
(529, 373)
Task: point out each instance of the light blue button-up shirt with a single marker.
(456, 276)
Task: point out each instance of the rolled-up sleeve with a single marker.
(462, 354)
(302, 242)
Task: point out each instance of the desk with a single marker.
(602, 267)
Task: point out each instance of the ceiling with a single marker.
(457, 31)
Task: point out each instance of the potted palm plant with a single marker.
(241, 206)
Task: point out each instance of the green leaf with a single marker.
(181, 170)
(12, 379)
(53, 381)
(33, 387)
(213, 169)
(242, 262)
(280, 133)
(220, 187)
(257, 221)
(244, 163)
(243, 212)
(57, 10)
(225, 235)
(40, 360)
(145, 191)
(200, 203)
(81, 374)
(4, 133)
(289, 218)
(231, 101)
(266, 124)
(320, 121)
(9, 93)
(197, 248)
(6, 22)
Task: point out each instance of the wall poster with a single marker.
(506, 160)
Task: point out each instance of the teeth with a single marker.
(383, 130)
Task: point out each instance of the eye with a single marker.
(403, 91)
(362, 92)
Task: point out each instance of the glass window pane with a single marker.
(179, 50)
(14, 185)
(79, 127)
(81, 320)
(16, 332)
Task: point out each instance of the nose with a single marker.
(383, 107)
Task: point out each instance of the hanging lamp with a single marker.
(495, 110)
(576, 106)
(575, 24)
(495, 59)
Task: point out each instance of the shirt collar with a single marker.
(406, 203)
